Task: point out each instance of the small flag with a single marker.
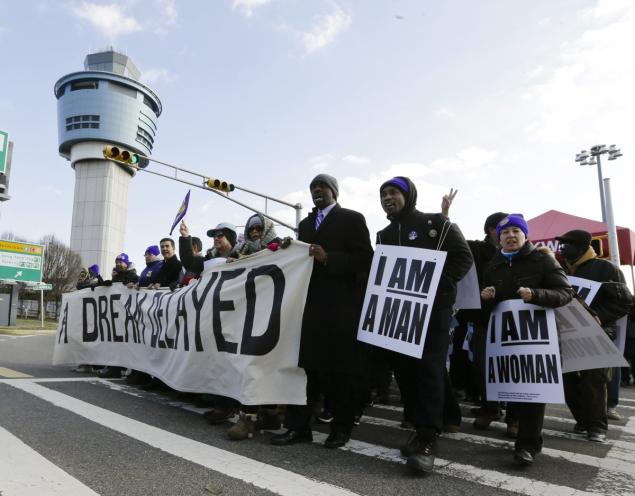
(182, 211)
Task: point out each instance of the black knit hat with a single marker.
(330, 181)
(492, 221)
(577, 237)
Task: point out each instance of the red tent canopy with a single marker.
(544, 229)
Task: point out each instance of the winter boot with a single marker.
(423, 451)
(244, 428)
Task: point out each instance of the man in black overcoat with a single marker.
(334, 361)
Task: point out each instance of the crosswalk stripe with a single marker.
(615, 473)
(27, 473)
(5, 372)
(629, 428)
(274, 479)
(485, 477)
(615, 465)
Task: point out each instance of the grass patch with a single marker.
(30, 326)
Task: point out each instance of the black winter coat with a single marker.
(336, 292)
(125, 277)
(611, 301)
(421, 230)
(530, 268)
(196, 264)
(170, 271)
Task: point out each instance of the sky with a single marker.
(493, 98)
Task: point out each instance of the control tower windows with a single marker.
(151, 104)
(82, 121)
(87, 84)
(144, 137)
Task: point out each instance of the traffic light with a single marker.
(117, 154)
(219, 185)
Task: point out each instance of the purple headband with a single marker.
(399, 182)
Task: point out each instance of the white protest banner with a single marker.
(400, 293)
(523, 358)
(583, 342)
(233, 332)
(585, 288)
(468, 293)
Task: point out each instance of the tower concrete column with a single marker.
(100, 207)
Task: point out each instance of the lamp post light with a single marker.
(593, 158)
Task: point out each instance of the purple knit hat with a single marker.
(124, 258)
(513, 220)
(152, 250)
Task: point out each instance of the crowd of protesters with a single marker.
(344, 375)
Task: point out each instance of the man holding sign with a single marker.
(421, 378)
(585, 390)
(519, 270)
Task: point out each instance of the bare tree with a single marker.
(11, 236)
(61, 267)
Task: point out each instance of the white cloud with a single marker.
(356, 160)
(444, 112)
(535, 72)
(326, 29)
(320, 163)
(3, 30)
(110, 19)
(246, 7)
(154, 75)
(168, 11)
(166, 17)
(588, 96)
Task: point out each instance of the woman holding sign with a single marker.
(520, 271)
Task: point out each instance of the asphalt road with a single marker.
(73, 434)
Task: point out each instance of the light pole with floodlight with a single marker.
(593, 158)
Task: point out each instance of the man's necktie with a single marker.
(319, 219)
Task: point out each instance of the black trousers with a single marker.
(530, 420)
(451, 408)
(342, 393)
(422, 380)
(585, 394)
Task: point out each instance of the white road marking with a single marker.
(615, 473)
(616, 465)
(274, 479)
(485, 477)
(24, 472)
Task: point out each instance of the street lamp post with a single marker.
(593, 158)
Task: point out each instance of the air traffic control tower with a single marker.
(101, 105)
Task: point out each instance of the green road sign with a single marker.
(4, 150)
(21, 261)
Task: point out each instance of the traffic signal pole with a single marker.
(139, 166)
